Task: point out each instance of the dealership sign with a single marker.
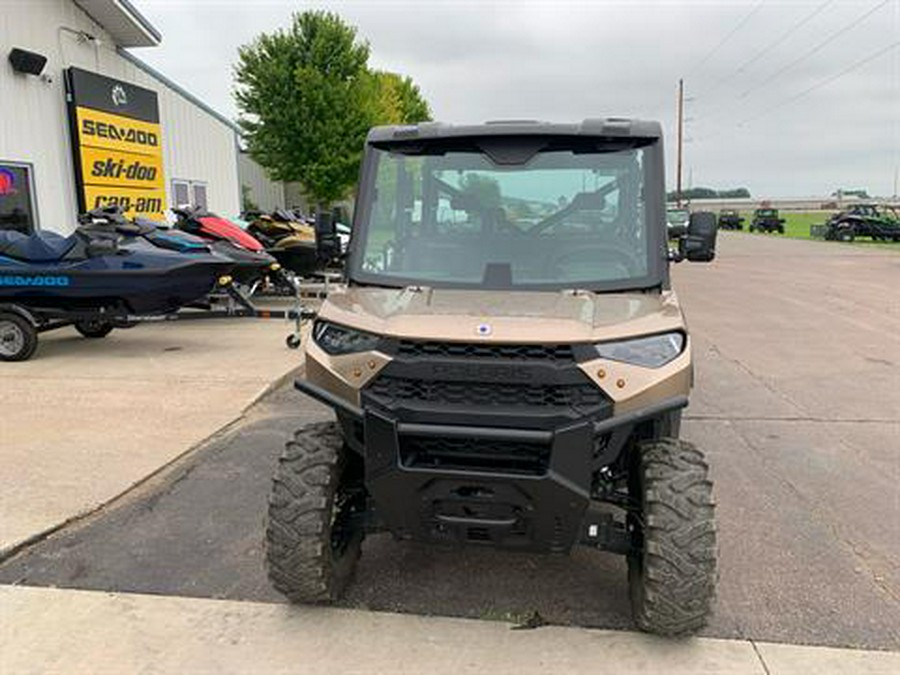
(117, 144)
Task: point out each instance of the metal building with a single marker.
(77, 113)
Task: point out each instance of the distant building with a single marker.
(782, 203)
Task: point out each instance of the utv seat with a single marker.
(35, 248)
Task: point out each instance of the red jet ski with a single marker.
(230, 240)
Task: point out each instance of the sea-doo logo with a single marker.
(116, 133)
(42, 281)
(118, 95)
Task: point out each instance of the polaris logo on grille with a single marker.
(42, 281)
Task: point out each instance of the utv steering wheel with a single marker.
(599, 253)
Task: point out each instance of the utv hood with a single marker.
(502, 316)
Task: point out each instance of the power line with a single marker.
(785, 102)
(727, 37)
(819, 47)
(805, 20)
(718, 46)
(837, 76)
(768, 48)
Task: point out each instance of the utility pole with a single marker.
(680, 122)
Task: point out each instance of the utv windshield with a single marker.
(554, 219)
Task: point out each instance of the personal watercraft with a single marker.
(49, 272)
(109, 222)
(230, 240)
(111, 274)
(290, 242)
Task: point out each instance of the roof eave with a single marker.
(125, 24)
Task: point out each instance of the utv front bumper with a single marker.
(509, 486)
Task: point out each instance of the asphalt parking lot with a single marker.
(797, 404)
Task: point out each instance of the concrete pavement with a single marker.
(87, 419)
(806, 492)
(50, 631)
(797, 404)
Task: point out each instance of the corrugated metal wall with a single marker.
(294, 198)
(265, 193)
(34, 126)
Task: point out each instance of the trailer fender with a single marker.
(21, 311)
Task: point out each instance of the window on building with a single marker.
(181, 195)
(199, 190)
(17, 210)
(189, 193)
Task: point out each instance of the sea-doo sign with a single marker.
(38, 281)
(117, 144)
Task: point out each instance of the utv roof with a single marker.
(589, 128)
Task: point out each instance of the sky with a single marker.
(786, 98)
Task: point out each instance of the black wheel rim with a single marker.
(349, 502)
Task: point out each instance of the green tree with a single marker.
(709, 193)
(305, 98)
(737, 193)
(400, 100)
(861, 193)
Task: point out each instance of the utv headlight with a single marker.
(651, 352)
(336, 340)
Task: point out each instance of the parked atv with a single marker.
(767, 220)
(881, 223)
(507, 366)
(730, 219)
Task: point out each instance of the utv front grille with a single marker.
(465, 454)
(409, 348)
(580, 399)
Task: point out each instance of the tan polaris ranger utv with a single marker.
(507, 365)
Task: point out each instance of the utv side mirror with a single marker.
(324, 224)
(699, 244)
(328, 246)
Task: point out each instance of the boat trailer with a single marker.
(20, 324)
